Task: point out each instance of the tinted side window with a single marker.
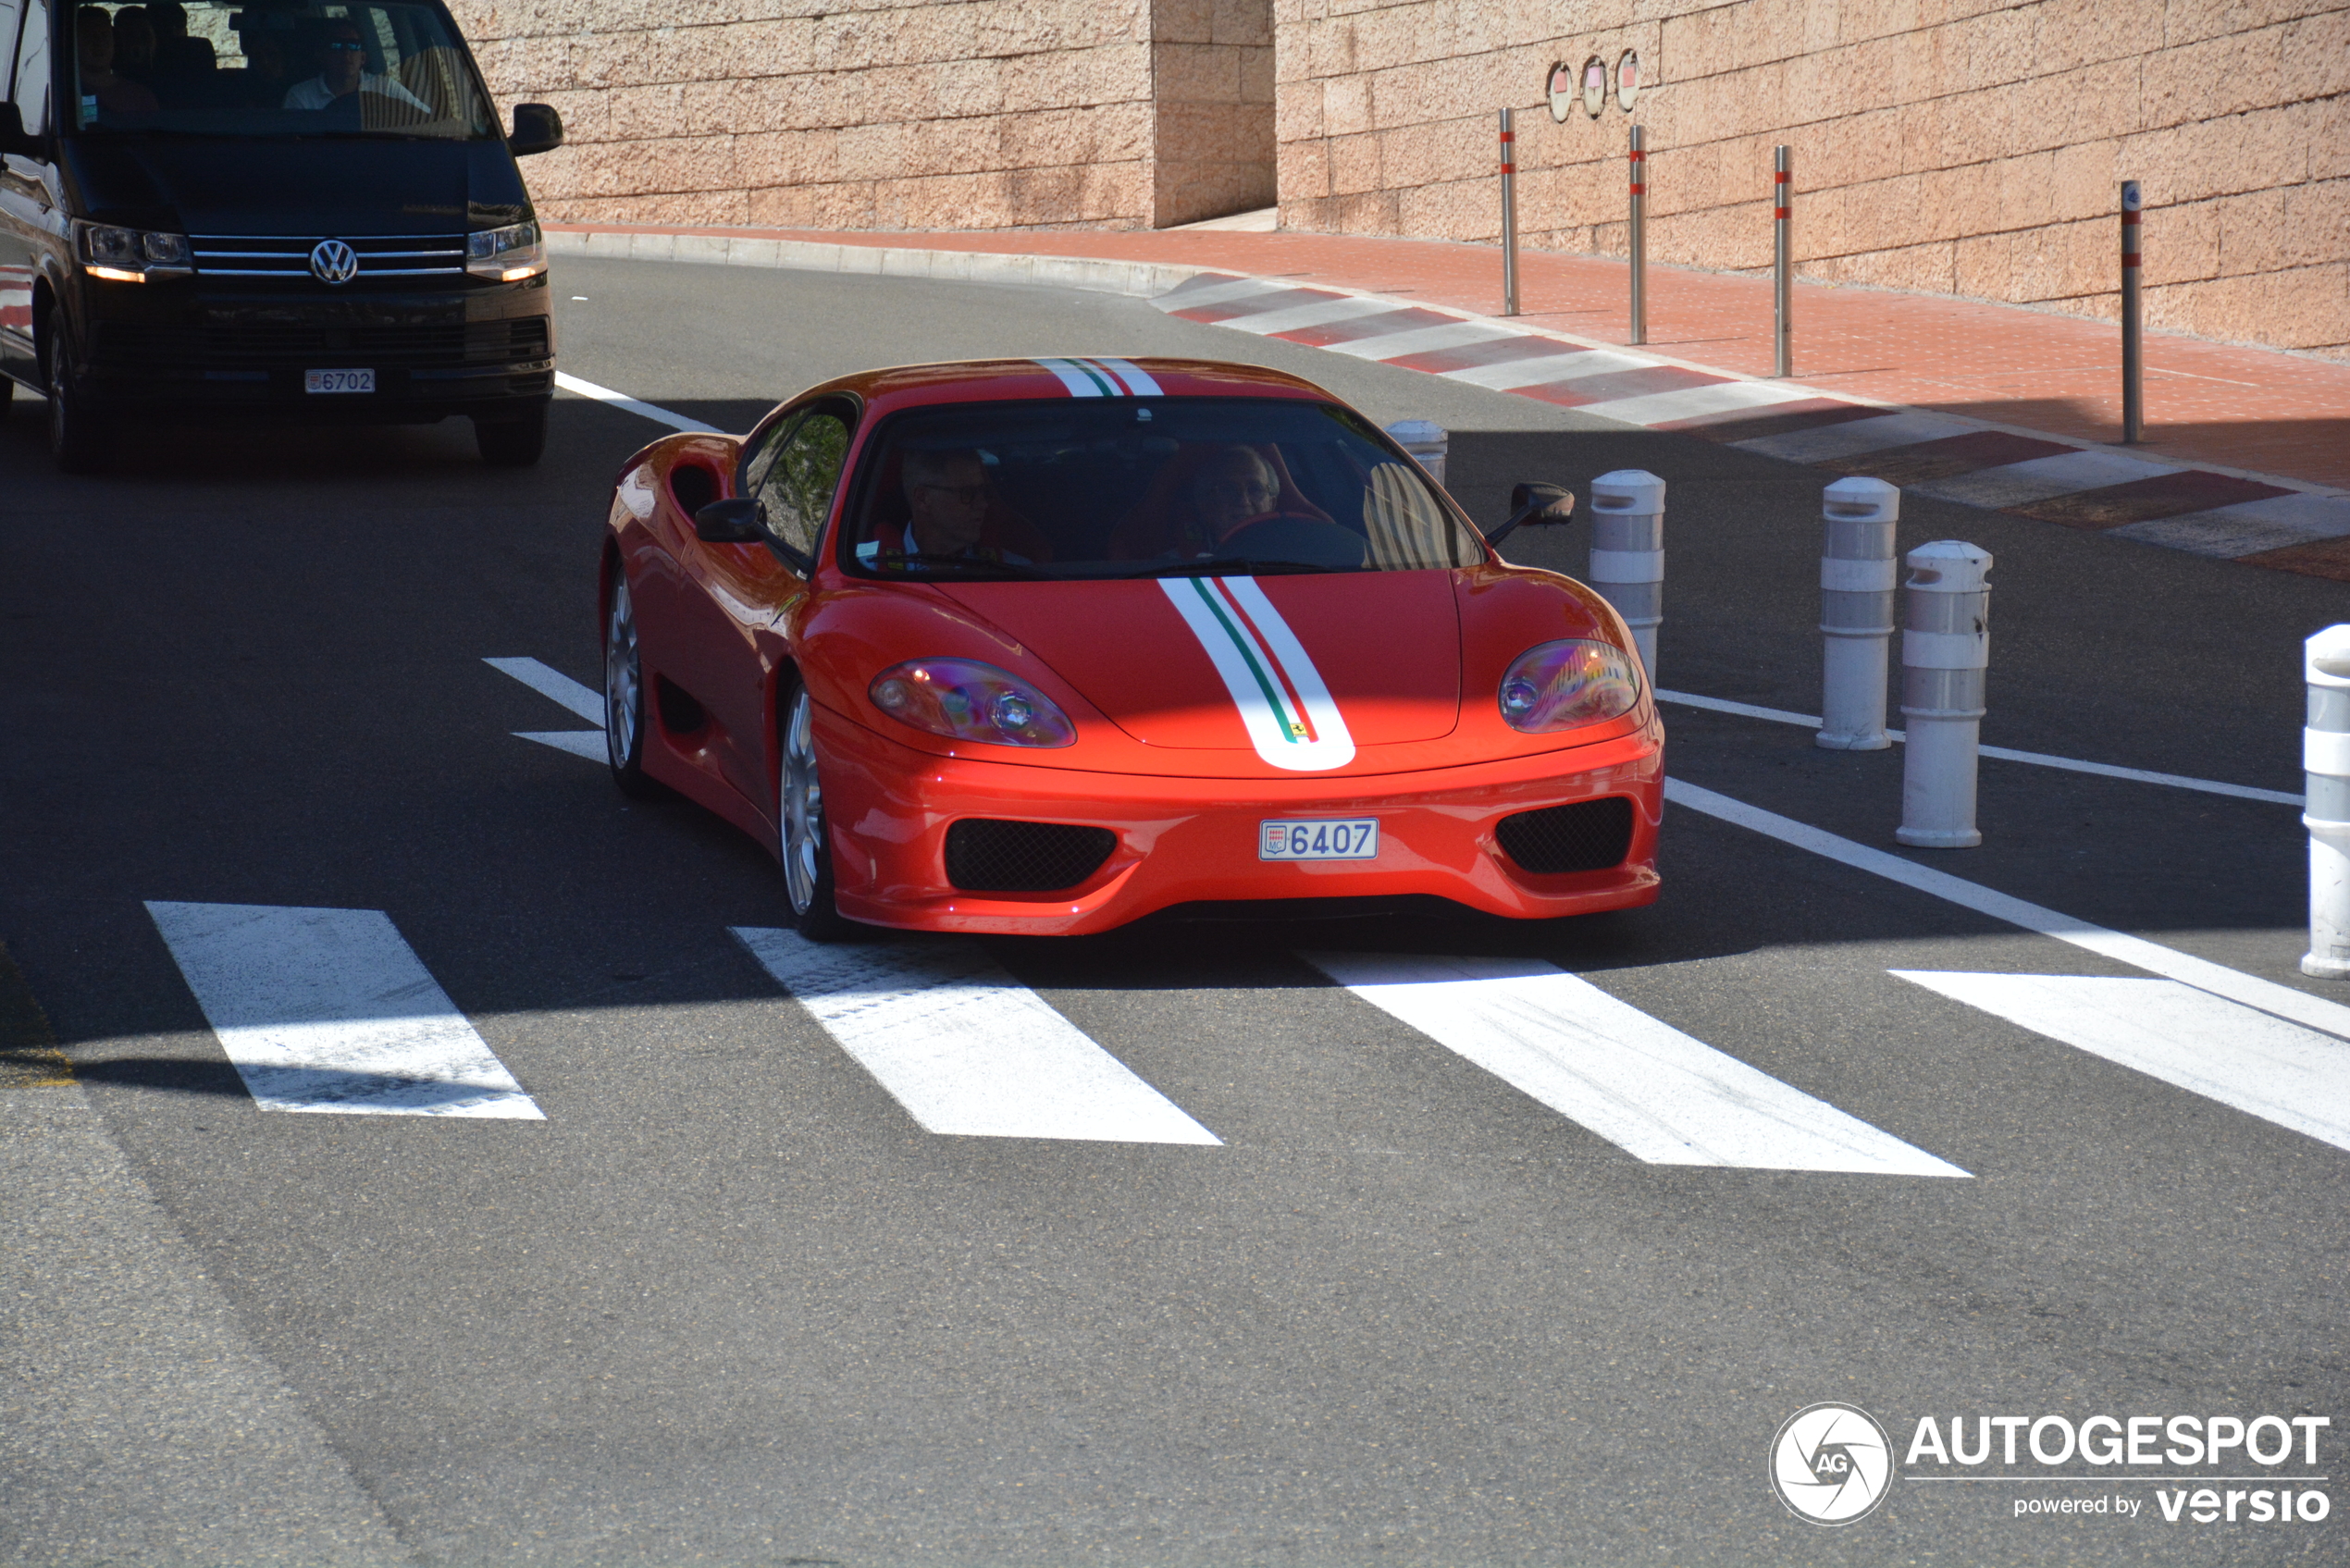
(32, 94)
(794, 474)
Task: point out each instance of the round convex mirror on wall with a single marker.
(1594, 86)
(1628, 80)
(1560, 86)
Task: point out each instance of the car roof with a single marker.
(989, 380)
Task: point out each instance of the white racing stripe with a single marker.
(2282, 1001)
(964, 1047)
(558, 687)
(1653, 1091)
(2221, 1050)
(623, 400)
(331, 1010)
(1289, 713)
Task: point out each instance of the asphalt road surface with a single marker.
(722, 1300)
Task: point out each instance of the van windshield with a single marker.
(274, 68)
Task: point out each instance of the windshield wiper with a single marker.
(964, 565)
(1229, 566)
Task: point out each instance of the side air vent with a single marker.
(1589, 835)
(985, 856)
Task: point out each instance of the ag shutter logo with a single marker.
(1832, 1464)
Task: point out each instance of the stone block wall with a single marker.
(890, 113)
(1971, 147)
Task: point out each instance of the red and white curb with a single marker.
(2207, 511)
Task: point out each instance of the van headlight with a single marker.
(1557, 686)
(506, 255)
(130, 255)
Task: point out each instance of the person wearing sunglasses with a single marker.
(948, 502)
(344, 71)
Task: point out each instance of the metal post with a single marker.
(1509, 217)
(2132, 347)
(1856, 613)
(1639, 240)
(1945, 647)
(1628, 553)
(2325, 811)
(1782, 263)
(1427, 441)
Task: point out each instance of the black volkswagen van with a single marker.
(299, 210)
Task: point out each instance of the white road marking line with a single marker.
(1653, 1091)
(586, 701)
(2003, 754)
(2190, 1039)
(1689, 403)
(1857, 435)
(964, 1047)
(2282, 1001)
(331, 1010)
(2059, 473)
(579, 743)
(561, 688)
(623, 400)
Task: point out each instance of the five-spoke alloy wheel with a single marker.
(624, 694)
(807, 858)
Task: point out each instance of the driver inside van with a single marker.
(344, 71)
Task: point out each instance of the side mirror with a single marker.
(1534, 504)
(734, 521)
(537, 129)
(12, 136)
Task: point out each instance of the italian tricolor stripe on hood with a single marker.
(1287, 711)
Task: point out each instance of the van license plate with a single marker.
(338, 380)
(1353, 839)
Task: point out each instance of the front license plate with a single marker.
(1353, 839)
(338, 380)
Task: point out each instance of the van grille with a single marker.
(1589, 835)
(229, 345)
(286, 258)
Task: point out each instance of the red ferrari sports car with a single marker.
(1043, 645)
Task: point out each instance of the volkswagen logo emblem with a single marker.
(333, 262)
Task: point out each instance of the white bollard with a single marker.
(1856, 611)
(1628, 553)
(2325, 758)
(1945, 649)
(1426, 440)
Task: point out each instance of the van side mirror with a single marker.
(1535, 503)
(734, 521)
(12, 136)
(537, 129)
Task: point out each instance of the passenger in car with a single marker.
(344, 71)
(952, 514)
(134, 44)
(93, 45)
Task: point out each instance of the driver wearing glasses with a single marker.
(947, 498)
(342, 71)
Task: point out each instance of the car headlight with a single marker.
(506, 255)
(1556, 685)
(964, 700)
(130, 255)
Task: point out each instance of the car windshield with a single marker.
(274, 68)
(1145, 487)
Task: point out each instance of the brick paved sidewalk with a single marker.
(2212, 409)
